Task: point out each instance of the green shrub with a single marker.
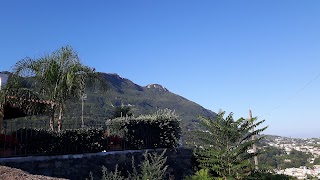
(116, 175)
(40, 141)
(152, 168)
(202, 174)
(159, 130)
(81, 140)
(37, 141)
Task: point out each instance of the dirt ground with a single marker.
(8, 173)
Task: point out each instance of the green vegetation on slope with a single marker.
(141, 100)
(278, 159)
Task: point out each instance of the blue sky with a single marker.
(230, 55)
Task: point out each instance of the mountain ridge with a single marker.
(141, 99)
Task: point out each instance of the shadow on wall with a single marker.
(79, 166)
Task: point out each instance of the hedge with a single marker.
(158, 130)
(40, 141)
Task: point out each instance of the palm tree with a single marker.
(59, 77)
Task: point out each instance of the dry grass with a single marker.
(9, 173)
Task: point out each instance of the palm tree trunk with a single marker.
(52, 117)
(60, 118)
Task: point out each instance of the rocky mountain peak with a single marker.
(157, 87)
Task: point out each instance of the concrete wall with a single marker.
(79, 166)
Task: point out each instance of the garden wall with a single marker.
(79, 166)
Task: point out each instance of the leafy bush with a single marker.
(37, 141)
(153, 167)
(40, 141)
(146, 131)
(82, 140)
(161, 129)
(116, 175)
(202, 174)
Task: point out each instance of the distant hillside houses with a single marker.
(302, 172)
(3, 80)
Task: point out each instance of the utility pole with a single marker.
(254, 148)
(83, 97)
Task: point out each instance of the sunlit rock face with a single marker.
(157, 87)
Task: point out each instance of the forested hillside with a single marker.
(141, 99)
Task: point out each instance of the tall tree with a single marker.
(227, 144)
(59, 77)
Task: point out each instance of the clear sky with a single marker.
(229, 55)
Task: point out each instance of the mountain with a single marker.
(100, 105)
(142, 100)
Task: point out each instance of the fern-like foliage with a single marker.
(116, 175)
(153, 166)
(227, 144)
(202, 174)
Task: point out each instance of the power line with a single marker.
(289, 98)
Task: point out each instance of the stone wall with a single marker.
(79, 166)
